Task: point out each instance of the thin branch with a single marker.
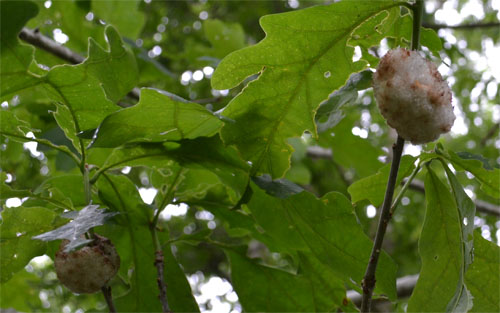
(463, 26)
(418, 11)
(208, 100)
(481, 206)
(159, 263)
(35, 38)
(106, 291)
(169, 197)
(491, 132)
(102, 170)
(45, 43)
(404, 288)
(159, 258)
(368, 282)
(405, 187)
(317, 152)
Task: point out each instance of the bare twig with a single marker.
(159, 258)
(162, 286)
(368, 282)
(38, 40)
(463, 26)
(491, 132)
(106, 291)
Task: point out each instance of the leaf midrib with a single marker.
(288, 104)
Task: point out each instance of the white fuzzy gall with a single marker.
(412, 96)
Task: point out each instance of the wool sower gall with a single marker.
(412, 96)
(87, 270)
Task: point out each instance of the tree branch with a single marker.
(491, 132)
(317, 152)
(481, 206)
(106, 291)
(159, 258)
(404, 287)
(368, 282)
(463, 26)
(35, 38)
(159, 263)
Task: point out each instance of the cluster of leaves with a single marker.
(244, 164)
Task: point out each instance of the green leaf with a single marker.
(199, 154)
(441, 251)
(16, 129)
(115, 67)
(69, 16)
(373, 187)
(266, 289)
(18, 226)
(470, 156)
(467, 212)
(329, 113)
(403, 28)
(67, 189)
(303, 58)
(490, 183)
(341, 140)
(23, 301)
(179, 294)
(224, 37)
(373, 31)
(88, 90)
(462, 300)
(7, 192)
(280, 188)
(329, 291)
(133, 242)
(11, 125)
(483, 276)
(159, 116)
(122, 14)
(83, 220)
(325, 227)
(15, 58)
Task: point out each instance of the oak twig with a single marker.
(159, 258)
(368, 282)
(106, 291)
(463, 26)
(159, 263)
(481, 206)
(35, 38)
(490, 134)
(317, 152)
(404, 288)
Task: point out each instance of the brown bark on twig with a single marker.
(463, 26)
(369, 280)
(106, 291)
(159, 261)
